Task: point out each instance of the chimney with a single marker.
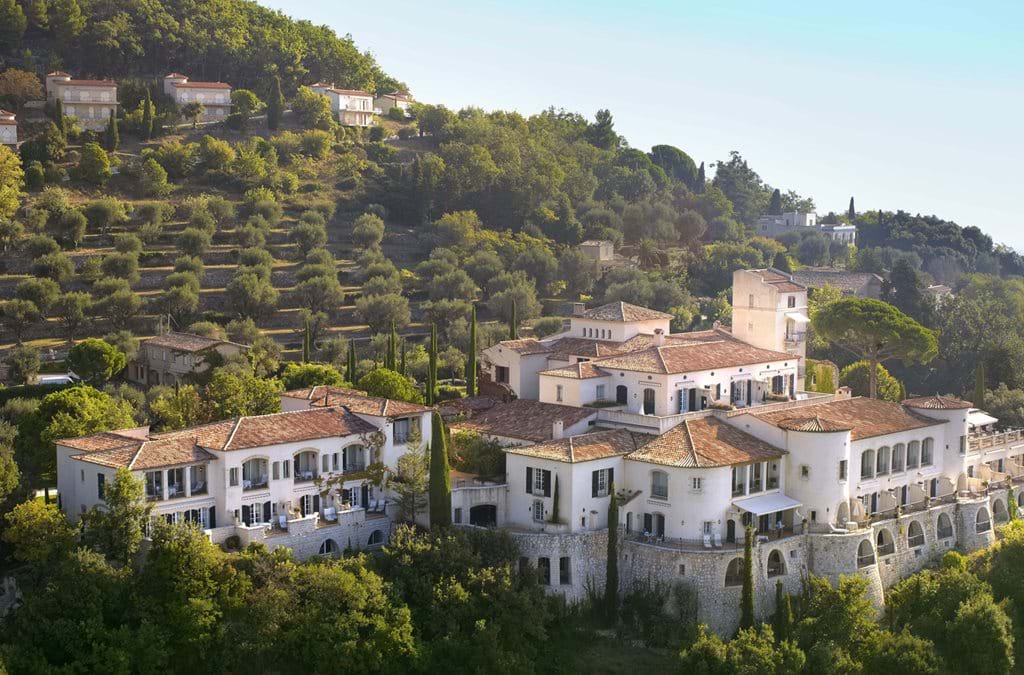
(659, 337)
(557, 429)
(843, 392)
(578, 308)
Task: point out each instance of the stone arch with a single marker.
(886, 544)
(256, 472)
(329, 547)
(944, 526)
(915, 534)
(982, 523)
(999, 511)
(776, 563)
(865, 553)
(376, 538)
(734, 572)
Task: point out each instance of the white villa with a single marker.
(8, 128)
(91, 101)
(172, 358)
(215, 96)
(402, 100)
(351, 107)
(773, 225)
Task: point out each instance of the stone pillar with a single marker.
(187, 471)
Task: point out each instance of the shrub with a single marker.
(221, 209)
(376, 134)
(407, 132)
(549, 325)
(56, 266)
(94, 165)
(316, 143)
(194, 242)
(152, 179)
(35, 177)
(40, 244)
(127, 243)
(103, 214)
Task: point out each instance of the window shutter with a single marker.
(246, 519)
(611, 479)
(529, 481)
(547, 483)
(593, 483)
(316, 503)
(213, 517)
(266, 512)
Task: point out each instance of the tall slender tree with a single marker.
(782, 623)
(111, 138)
(275, 104)
(432, 367)
(440, 476)
(147, 116)
(513, 323)
(702, 180)
(59, 119)
(305, 342)
(350, 366)
(401, 364)
(391, 359)
(611, 577)
(851, 212)
(471, 359)
(775, 204)
(747, 597)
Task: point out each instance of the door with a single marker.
(621, 394)
(648, 523)
(693, 401)
(730, 531)
(763, 526)
(648, 401)
(364, 495)
(659, 525)
(629, 522)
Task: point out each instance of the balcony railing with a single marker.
(305, 475)
(984, 441)
(200, 488)
(796, 337)
(257, 483)
(354, 467)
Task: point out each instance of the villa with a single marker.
(91, 101)
(175, 358)
(350, 107)
(214, 96)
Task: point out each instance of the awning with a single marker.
(799, 317)
(977, 418)
(763, 504)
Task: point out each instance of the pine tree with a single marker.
(432, 367)
(611, 577)
(513, 323)
(775, 205)
(59, 119)
(471, 360)
(852, 212)
(979, 385)
(702, 180)
(747, 599)
(350, 367)
(275, 106)
(111, 139)
(147, 116)
(440, 476)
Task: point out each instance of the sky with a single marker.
(902, 104)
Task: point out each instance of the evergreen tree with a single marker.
(781, 262)
(58, 118)
(391, 358)
(979, 385)
(432, 367)
(111, 139)
(702, 180)
(554, 501)
(275, 106)
(611, 579)
(1011, 503)
(440, 476)
(783, 621)
(747, 599)
(471, 360)
(401, 365)
(350, 365)
(305, 343)
(775, 205)
(147, 116)
(513, 323)
(852, 212)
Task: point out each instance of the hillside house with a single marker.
(92, 102)
(8, 128)
(402, 100)
(600, 250)
(176, 358)
(351, 107)
(771, 225)
(215, 96)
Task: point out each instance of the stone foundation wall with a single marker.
(587, 551)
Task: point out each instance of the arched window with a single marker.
(999, 511)
(944, 526)
(865, 554)
(915, 534)
(886, 544)
(659, 485)
(867, 464)
(898, 452)
(254, 474)
(927, 450)
(734, 573)
(882, 461)
(376, 538)
(913, 454)
(329, 547)
(305, 465)
(776, 564)
(982, 522)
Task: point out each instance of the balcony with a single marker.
(256, 483)
(796, 337)
(306, 475)
(354, 467)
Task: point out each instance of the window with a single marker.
(682, 570)
(538, 482)
(898, 452)
(867, 464)
(915, 534)
(83, 475)
(963, 445)
(457, 517)
(286, 469)
(805, 471)
(882, 461)
(101, 480)
(944, 526)
(538, 511)
(326, 463)
(659, 485)
(565, 570)
(544, 567)
(233, 476)
(696, 484)
(401, 430)
(750, 300)
(599, 392)
(334, 462)
(600, 481)
(791, 301)
(558, 393)
(277, 470)
(926, 452)
(913, 454)
(842, 469)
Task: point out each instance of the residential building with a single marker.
(8, 128)
(351, 107)
(173, 358)
(772, 225)
(770, 312)
(859, 284)
(215, 96)
(402, 100)
(92, 102)
(600, 250)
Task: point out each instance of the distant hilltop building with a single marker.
(351, 107)
(91, 101)
(8, 128)
(770, 225)
(215, 96)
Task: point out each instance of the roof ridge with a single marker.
(693, 447)
(572, 449)
(234, 430)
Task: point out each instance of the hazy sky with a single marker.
(902, 104)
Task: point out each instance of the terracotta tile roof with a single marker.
(938, 402)
(780, 280)
(594, 242)
(848, 282)
(352, 92)
(91, 83)
(623, 311)
(576, 346)
(203, 85)
(814, 424)
(525, 346)
(292, 427)
(144, 455)
(524, 419)
(585, 447)
(184, 342)
(319, 391)
(866, 417)
(584, 370)
(694, 357)
(106, 440)
(355, 401)
(467, 406)
(705, 443)
(58, 73)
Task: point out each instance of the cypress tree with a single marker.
(852, 212)
(979, 385)
(58, 118)
(147, 116)
(440, 476)
(350, 367)
(513, 323)
(775, 205)
(305, 343)
(781, 262)
(747, 601)
(401, 365)
(111, 139)
(432, 367)
(471, 360)
(702, 180)
(611, 577)
(275, 106)
(554, 501)
(1011, 503)
(391, 360)
(783, 620)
